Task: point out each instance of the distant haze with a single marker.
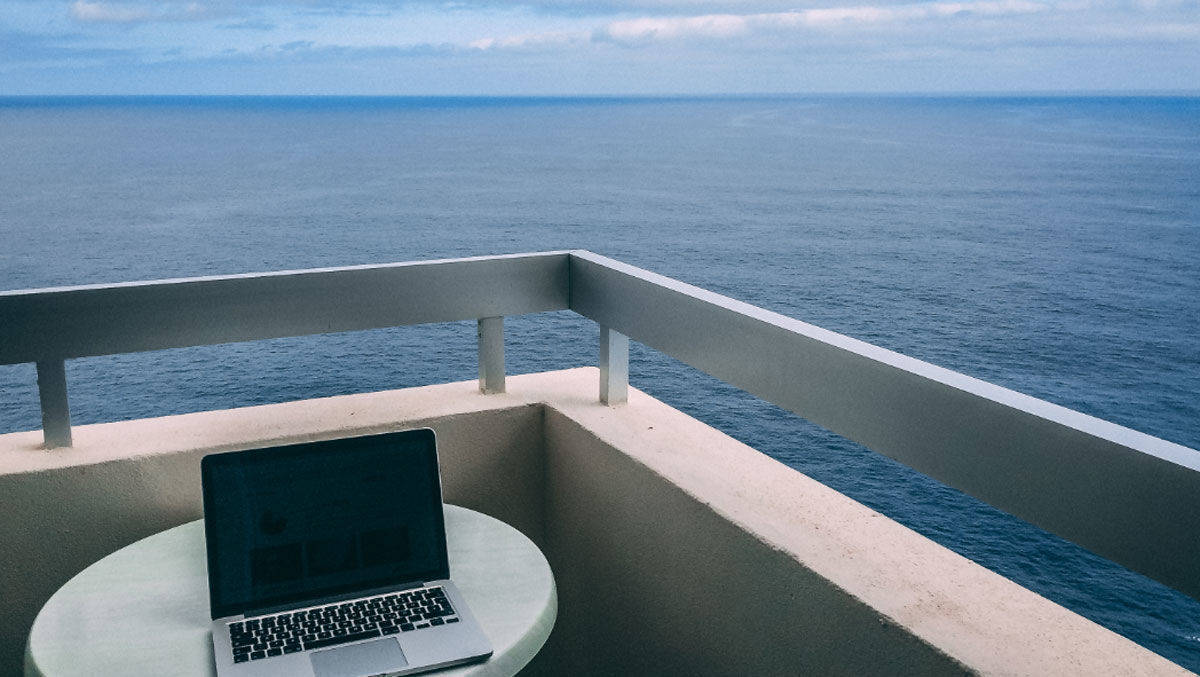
(515, 47)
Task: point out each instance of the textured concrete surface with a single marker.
(728, 549)
(677, 550)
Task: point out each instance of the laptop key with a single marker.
(407, 626)
(341, 640)
(452, 619)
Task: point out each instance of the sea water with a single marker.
(1049, 245)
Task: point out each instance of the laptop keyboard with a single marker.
(319, 627)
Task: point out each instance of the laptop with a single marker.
(328, 559)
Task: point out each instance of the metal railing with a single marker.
(1130, 497)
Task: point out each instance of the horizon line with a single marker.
(1047, 93)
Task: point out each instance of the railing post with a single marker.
(491, 355)
(56, 413)
(614, 367)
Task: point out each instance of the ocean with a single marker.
(1050, 245)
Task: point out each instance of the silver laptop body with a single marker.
(329, 559)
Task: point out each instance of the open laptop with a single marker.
(328, 559)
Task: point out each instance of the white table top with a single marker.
(143, 610)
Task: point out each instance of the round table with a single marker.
(143, 610)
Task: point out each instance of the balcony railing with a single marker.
(1122, 494)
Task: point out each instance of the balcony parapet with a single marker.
(696, 553)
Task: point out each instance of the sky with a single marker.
(597, 47)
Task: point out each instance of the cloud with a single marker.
(899, 13)
(307, 51)
(646, 30)
(249, 25)
(530, 42)
(99, 12)
(123, 13)
(725, 25)
(1153, 32)
(640, 31)
(134, 11)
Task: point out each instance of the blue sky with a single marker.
(522, 47)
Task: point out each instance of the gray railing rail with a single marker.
(1125, 495)
(67, 322)
(1122, 494)
(48, 326)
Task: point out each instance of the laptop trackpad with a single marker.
(369, 658)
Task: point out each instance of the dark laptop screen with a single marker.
(290, 524)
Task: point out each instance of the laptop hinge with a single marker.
(329, 599)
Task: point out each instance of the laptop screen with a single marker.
(291, 524)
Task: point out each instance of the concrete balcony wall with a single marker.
(688, 552)
(676, 549)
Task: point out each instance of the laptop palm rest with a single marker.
(355, 660)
